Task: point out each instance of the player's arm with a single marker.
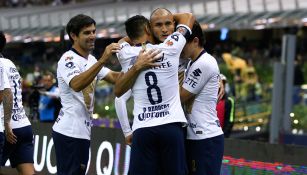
(122, 114)
(82, 80)
(187, 19)
(7, 110)
(185, 95)
(174, 43)
(111, 77)
(7, 100)
(221, 90)
(126, 80)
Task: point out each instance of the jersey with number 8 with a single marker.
(156, 90)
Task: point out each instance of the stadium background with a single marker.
(247, 29)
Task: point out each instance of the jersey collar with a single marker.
(76, 52)
(201, 53)
(140, 44)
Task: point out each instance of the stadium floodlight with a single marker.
(259, 27)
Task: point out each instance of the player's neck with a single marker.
(82, 52)
(197, 53)
(140, 40)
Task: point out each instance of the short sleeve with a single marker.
(173, 44)
(103, 72)
(68, 68)
(127, 55)
(197, 76)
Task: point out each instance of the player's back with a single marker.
(156, 90)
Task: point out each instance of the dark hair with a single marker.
(135, 26)
(77, 23)
(2, 41)
(197, 32)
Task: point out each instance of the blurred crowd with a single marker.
(29, 3)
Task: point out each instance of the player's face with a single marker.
(86, 38)
(162, 26)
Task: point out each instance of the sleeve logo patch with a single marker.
(197, 72)
(69, 58)
(169, 43)
(70, 65)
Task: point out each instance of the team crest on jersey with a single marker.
(70, 65)
(69, 58)
(13, 70)
(169, 43)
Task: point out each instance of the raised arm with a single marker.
(185, 18)
(82, 80)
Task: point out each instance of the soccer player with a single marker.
(6, 98)
(162, 25)
(159, 20)
(77, 74)
(205, 139)
(158, 136)
(18, 146)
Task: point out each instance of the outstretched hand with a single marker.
(109, 50)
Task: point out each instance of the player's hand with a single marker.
(128, 139)
(221, 91)
(10, 136)
(109, 50)
(147, 59)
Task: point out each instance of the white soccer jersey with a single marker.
(183, 63)
(122, 114)
(4, 83)
(202, 79)
(126, 60)
(75, 117)
(125, 57)
(156, 90)
(19, 118)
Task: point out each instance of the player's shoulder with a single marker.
(206, 58)
(6, 61)
(7, 64)
(207, 62)
(68, 56)
(128, 51)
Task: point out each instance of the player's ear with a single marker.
(73, 36)
(147, 30)
(196, 40)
